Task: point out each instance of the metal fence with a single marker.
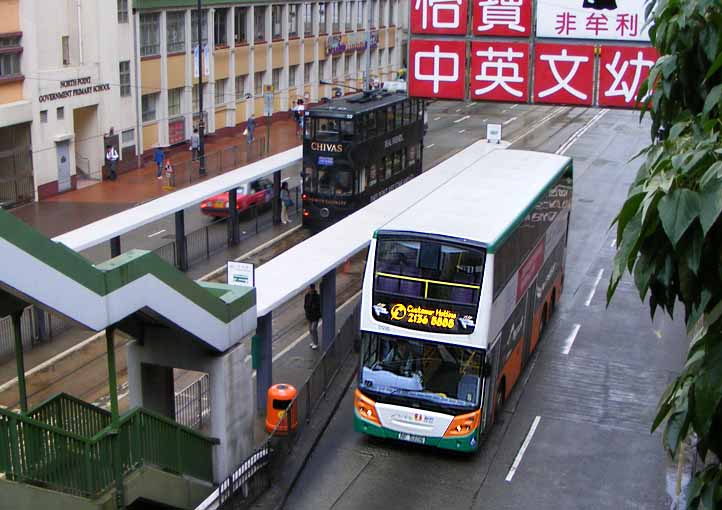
(192, 405)
(206, 241)
(36, 325)
(16, 190)
(256, 473)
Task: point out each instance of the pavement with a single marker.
(73, 209)
(584, 405)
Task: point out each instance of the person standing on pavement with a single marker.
(312, 307)
(286, 202)
(159, 157)
(111, 156)
(250, 128)
(195, 144)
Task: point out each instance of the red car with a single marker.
(256, 193)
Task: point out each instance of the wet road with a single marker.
(591, 389)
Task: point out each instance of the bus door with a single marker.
(529, 302)
(492, 374)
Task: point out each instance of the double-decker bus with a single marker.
(457, 291)
(356, 149)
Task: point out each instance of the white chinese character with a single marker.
(501, 12)
(436, 77)
(619, 86)
(437, 6)
(499, 79)
(563, 83)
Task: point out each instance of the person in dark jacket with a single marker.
(159, 157)
(312, 307)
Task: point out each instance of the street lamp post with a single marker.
(201, 124)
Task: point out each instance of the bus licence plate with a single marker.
(412, 438)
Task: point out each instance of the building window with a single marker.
(194, 27)
(374, 17)
(347, 18)
(276, 21)
(347, 65)
(175, 96)
(276, 79)
(258, 83)
(221, 91)
(124, 68)
(382, 13)
(44, 116)
(241, 87)
(127, 137)
(360, 6)
(9, 64)
(194, 93)
(65, 45)
(148, 106)
(220, 28)
(176, 31)
(334, 67)
(320, 70)
(292, 72)
(293, 20)
(259, 23)
(307, 70)
(240, 25)
(60, 112)
(307, 19)
(392, 12)
(122, 11)
(149, 34)
(322, 7)
(335, 17)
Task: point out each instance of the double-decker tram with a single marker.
(457, 291)
(356, 149)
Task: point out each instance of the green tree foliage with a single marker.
(669, 230)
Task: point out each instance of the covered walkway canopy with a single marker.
(114, 226)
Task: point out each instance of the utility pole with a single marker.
(201, 124)
(369, 20)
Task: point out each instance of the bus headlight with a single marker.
(463, 424)
(366, 408)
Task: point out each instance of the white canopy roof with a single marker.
(125, 221)
(285, 275)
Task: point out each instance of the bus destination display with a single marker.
(425, 318)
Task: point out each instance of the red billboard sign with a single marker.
(622, 69)
(437, 68)
(509, 18)
(439, 17)
(564, 74)
(499, 71)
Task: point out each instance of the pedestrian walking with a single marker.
(312, 307)
(298, 112)
(159, 157)
(169, 174)
(111, 156)
(195, 144)
(286, 202)
(250, 128)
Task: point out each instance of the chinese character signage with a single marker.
(618, 20)
(485, 50)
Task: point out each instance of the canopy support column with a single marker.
(277, 197)
(180, 241)
(234, 236)
(328, 308)
(20, 360)
(115, 418)
(114, 246)
(264, 372)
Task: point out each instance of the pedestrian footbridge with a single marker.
(68, 453)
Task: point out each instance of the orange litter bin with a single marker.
(278, 401)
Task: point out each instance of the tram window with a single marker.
(327, 130)
(369, 125)
(399, 115)
(344, 183)
(372, 175)
(362, 179)
(403, 159)
(307, 177)
(412, 155)
(347, 130)
(324, 181)
(396, 168)
(380, 122)
(386, 165)
(390, 116)
(308, 127)
(408, 118)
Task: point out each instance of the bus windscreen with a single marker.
(442, 375)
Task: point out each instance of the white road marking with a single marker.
(458, 110)
(462, 119)
(570, 339)
(594, 288)
(437, 118)
(156, 233)
(462, 130)
(514, 106)
(614, 243)
(430, 145)
(576, 136)
(484, 120)
(523, 448)
(503, 111)
(469, 105)
(509, 121)
(540, 123)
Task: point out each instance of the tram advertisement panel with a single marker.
(422, 316)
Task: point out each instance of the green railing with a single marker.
(72, 415)
(35, 452)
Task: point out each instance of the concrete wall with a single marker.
(231, 388)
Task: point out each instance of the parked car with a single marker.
(258, 193)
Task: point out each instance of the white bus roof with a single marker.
(484, 202)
